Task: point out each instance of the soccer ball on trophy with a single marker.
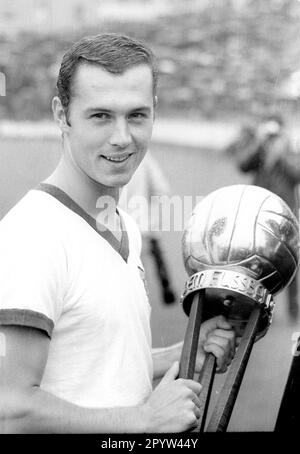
(242, 245)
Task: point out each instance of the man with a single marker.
(270, 156)
(74, 312)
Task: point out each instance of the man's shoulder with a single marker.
(34, 212)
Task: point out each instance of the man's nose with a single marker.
(121, 136)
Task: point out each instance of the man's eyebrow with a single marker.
(141, 108)
(97, 109)
(103, 109)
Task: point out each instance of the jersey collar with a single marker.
(122, 247)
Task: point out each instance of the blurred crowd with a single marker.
(224, 60)
(264, 148)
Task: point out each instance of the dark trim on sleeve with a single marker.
(26, 317)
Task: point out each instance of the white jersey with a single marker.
(86, 292)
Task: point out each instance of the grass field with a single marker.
(191, 172)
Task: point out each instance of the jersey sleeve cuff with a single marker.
(27, 317)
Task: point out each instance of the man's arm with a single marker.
(164, 357)
(216, 336)
(26, 408)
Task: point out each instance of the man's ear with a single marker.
(59, 115)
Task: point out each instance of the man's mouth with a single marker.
(117, 159)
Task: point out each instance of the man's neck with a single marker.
(84, 191)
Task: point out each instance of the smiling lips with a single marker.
(117, 159)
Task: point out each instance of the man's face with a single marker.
(111, 118)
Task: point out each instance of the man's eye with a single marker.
(138, 116)
(101, 116)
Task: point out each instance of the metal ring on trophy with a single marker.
(231, 294)
(240, 248)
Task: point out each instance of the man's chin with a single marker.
(117, 184)
(120, 181)
(113, 181)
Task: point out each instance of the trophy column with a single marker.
(240, 248)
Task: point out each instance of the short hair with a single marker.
(113, 52)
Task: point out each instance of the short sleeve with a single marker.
(32, 275)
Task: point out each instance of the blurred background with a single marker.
(217, 58)
(223, 64)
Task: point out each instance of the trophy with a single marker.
(240, 248)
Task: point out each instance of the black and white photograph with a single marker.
(149, 219)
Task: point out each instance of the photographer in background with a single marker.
(271, 157)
